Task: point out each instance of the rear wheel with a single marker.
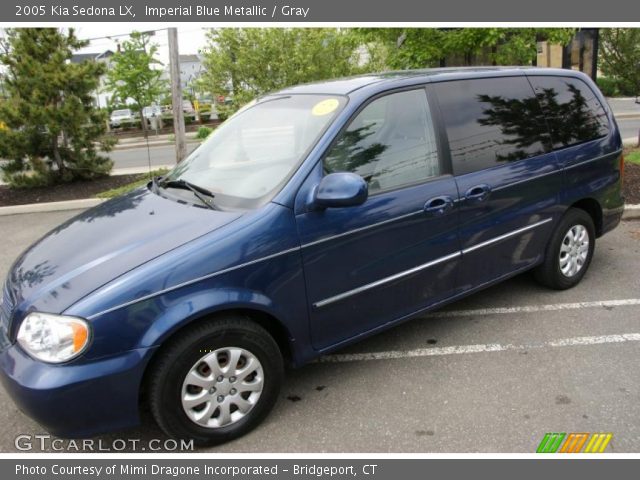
(216, 381)
(569, 252)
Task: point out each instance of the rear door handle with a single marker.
(438, 205)
(478, 193)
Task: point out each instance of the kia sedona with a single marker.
(314, 217)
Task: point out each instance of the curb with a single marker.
(156, 144)
(51, 206)
(630, 211)
(627, 116)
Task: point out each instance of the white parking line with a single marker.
(536, 308)
(481, 348)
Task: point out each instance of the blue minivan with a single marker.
(314, 217)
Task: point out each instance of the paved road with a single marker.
(139, 157)
(629, 128)
(494, 376)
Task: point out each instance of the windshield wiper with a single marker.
(195, 189)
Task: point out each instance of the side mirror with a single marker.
(341, 189)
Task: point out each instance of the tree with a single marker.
(427, 47)
(248, 62)
(621, 57)
(132, 75)
(51, 125)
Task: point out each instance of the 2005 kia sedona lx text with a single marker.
(314, 217)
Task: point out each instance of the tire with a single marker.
(235, 400)
(565, 272)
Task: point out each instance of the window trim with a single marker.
(442, 165)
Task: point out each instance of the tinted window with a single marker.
(573, 112)
(491, 121)
(390, 143)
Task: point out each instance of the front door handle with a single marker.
(479, 193)
(438, 205)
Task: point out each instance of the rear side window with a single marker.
(390, 143)
(491, 121)
(573, 112)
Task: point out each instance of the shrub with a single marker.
(204, 132)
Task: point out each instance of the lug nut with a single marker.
(233, 391)
(232, 379)
(220, 398)
(220, 378)
(212, 390)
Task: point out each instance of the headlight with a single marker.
(53, 338)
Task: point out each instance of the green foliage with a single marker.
(633, 157)
(620, 58)
(614, 87)
(247, 62)
(132, 74)
(143, 180)
(405, 48)
(51, 126)
(204, 132)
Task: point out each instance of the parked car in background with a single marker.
(119, 117)
(314, 217)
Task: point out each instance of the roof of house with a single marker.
(81, 57)
(189, 58)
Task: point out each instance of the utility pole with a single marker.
(176, 96)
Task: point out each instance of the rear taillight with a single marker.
(621, 167)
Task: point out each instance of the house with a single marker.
(101, 95)
(190, 70)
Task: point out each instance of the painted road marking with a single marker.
(481, 348)
(536, 308)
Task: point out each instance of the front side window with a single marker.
(390, 143)
(248, 159)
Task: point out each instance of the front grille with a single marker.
(6, 305)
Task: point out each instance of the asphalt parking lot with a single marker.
(491, 373)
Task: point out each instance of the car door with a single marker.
(508, 177)
(368, 265)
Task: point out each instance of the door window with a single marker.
(491, 121)
(390, 143)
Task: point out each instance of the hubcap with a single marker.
(222, 387)
(574, 250)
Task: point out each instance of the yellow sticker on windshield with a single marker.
(325, 107)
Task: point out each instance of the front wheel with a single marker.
(216, 381)
(569, 252)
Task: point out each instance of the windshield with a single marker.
(247, 159)
(121, 113)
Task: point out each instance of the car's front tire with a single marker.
(569, 252)
(216, 381)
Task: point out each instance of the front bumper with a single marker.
(76, 400)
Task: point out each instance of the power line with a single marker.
(111, 37)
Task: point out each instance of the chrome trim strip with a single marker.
(382, 281)
(583, 162)
(505, 236)
(195, 280)
(360, 229)
(424, 266)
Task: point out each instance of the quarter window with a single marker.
(390, 143)
(573, 112)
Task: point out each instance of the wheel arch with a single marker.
(266, 320)
(594, 209)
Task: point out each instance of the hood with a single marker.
(101, 244)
